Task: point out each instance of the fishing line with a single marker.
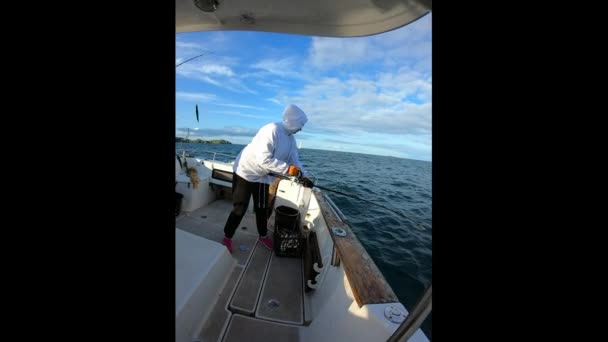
(188, 60)
(357, 198)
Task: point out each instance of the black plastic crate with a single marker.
(289, 243)
(287, 238)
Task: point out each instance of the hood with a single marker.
(294, 118)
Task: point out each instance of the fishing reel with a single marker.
(298, 177)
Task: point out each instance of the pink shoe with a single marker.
(228, 243)
(266, 241)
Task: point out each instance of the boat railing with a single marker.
(229, 157)
(336, 210)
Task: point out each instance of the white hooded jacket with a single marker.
(272, 149)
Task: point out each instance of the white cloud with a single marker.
(268, 84)
(406, 83)
(410, 44)
(216, 69)
(239, 106)
(195, 70)
(327, 52)
(283, 67)
(180, 95)
(187, 45)
(210, 68)
(275, 101)
(396, 103)
(218, 75)
(405, 146)
(253, 116)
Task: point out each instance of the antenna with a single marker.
(183, 141)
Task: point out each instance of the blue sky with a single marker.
(365, 94)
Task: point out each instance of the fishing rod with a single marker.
(188, 60)
(350, 195)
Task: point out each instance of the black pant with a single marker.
(241, 192)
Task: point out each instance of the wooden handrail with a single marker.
(367, 282)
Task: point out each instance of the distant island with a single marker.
(201, 141)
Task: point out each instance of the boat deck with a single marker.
(264, 294)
